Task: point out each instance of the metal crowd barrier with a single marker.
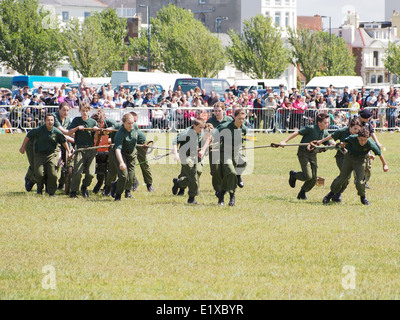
(176, 119)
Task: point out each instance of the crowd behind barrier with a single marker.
(271, 112)
(163, 120)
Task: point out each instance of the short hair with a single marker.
(322, 116)
(84, 105)
(220, 105)
(62, 105)
(49, 115)
(199, 121)
(355, 122)
(239, 111)
(133, 113)
(126, 117)
(364, 132)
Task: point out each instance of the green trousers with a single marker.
(351, 162)
(30, 153)
(125, 177)
(190, 176)
(216, 172)
(368, 168)
(309, 168)
(61, 180)
(339, 162)
(45, 164)
(84, 162)
(144, 166)
(112, 167)
(231, 168)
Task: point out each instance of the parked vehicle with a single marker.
(36, 81)
(220, 86)
(6, 81)
(337, 82)
(142, 86)
(260, 84)
(166, 80)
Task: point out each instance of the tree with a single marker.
(320, 54)
(260, 51)
(392, 60)
(27, 43)
(337, 59)
(180, 43)
(306, 52)
(97, 46)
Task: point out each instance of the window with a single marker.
(287, 2)
(278, 2)
(287, 22)
(267, 14)
(373, 78)
(267, 2)
(376, 59)
(202, 1)
(278, 19)
(380, 79)
(64, 73)
(65, 16)
(87, 15)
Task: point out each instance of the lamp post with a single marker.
(330, 27)
(148, 34)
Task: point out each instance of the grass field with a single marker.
(270, 246)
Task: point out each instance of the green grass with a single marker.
(270, 246)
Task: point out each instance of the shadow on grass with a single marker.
(15, 193)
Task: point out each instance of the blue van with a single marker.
(36, 81)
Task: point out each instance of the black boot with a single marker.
(221, 196)
(117, 197)
(191, 200)
(302, 195)
(364, 201)
(150, 188)
(181, 192)
(231, 199)
(107, 191)
(328, 198)
(128, 194)
(135, 185)
(113, 189)
(337, 197)
(175, 187)
(85, 192)
(73, 195)
(292, 179)
(28, 184)
(240, 181)
(60, 186)
(97, 187)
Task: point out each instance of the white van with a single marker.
(97, 81)
(167, 80)
(338, 82)
(259, 84)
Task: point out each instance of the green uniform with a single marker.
(215, 166)
(355, 160)
(112, 160)
(231, 156)
(65, 124)
(368, 160)
(341, 135)
(307, 159)
(30, 153)
(126, 142)
(142, 159)
(85, 159)
(46, 156)
(191, 166)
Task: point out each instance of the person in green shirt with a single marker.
(46, 153)
(62, 122)
(111, 184)
(125, 152)
(307, 159)
(189, 142)
(229, 135)
(219, 118)
(84, 159)
(341, 135)
(358, 146)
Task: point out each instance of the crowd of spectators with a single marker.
(278, 110)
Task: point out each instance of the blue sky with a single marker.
(368, 10)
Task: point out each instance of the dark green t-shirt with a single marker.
(84, 138)
(341, 134)
(190, 139)
(230, 129)
(141, 137)
(213, 120)
(46, 140)
(354, 147)
(58, 122)
(126, 140)
(311, 133)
